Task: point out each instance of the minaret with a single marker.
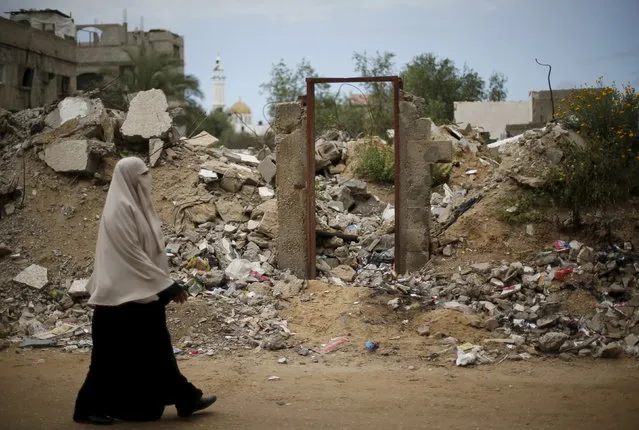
(218, 85)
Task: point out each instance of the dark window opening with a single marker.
(65, 86)
(27, 77)
(88, 81)
(242, 129)
(176, 51)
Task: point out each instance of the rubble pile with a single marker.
(220, 241)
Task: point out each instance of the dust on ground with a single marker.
(346, 391)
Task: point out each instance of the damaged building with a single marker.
(45, 56)
(37, 58)
(103, 51)
(510, 118)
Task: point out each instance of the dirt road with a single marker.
(348, 392)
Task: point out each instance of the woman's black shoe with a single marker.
(100, 420)
(202, 403)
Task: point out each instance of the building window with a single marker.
(27, 77)
(176, 51)
(65, 84)
(2, 78)
(88, 81)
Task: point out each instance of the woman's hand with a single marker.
(180, 297)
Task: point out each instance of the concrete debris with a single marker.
(201, 141)
(75, 156)
(78, 288)
(155, 150)
(81, 108)
(267, 169)
(34, 276)
(228, 261)
(147, 116)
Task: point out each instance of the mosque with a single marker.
(239, 113)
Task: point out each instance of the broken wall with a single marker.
(292, 240)
(493, 117)
(417, 154)
(36, 67)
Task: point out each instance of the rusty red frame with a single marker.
(310, 155)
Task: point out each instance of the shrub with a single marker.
(604, 170)
(376, 162)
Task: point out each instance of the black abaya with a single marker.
(133, 372)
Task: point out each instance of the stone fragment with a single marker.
(552, 341)
(612, 350)
(343, 272)
(147, 116)
(155, 150)
(201, 141)
(423, 330)
(269, 224)
(481, 267)
(34, 276)
(586, 255)
(231, 211)
(288, 288)
(267, 169)
(78, 288)
(266, 192)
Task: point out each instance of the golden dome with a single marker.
(240, 108)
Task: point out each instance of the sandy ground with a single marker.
(347, 392)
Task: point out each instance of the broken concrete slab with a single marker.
(288, 288)
(239, 157)
(267, 169)
(79, 288)
(268, 226)
(231, 211)
(147, 116)
(155, 150)
(201, 141)
(345, 273)
(34, 276)
(266, 192)
(84, 109)
(75, 156)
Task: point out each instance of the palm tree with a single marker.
(159, 70)
(148, 70)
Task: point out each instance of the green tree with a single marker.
(150, 69)
(286, 84)
(440, 83)
(497, 87)
(380, 94)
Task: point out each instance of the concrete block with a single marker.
(34, 276)
(79, 288)
(231, 211)
(155, 150)
(267, 169)
(84, 109)
(73, 156)
(439, 151)
(202, 140)
(269, 224)
(147, 116)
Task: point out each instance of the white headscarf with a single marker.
(130, 259)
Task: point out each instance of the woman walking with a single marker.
(133, 373)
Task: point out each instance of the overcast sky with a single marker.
(582, 39)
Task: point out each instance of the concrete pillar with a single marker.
(292, 240)
(417, 153)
